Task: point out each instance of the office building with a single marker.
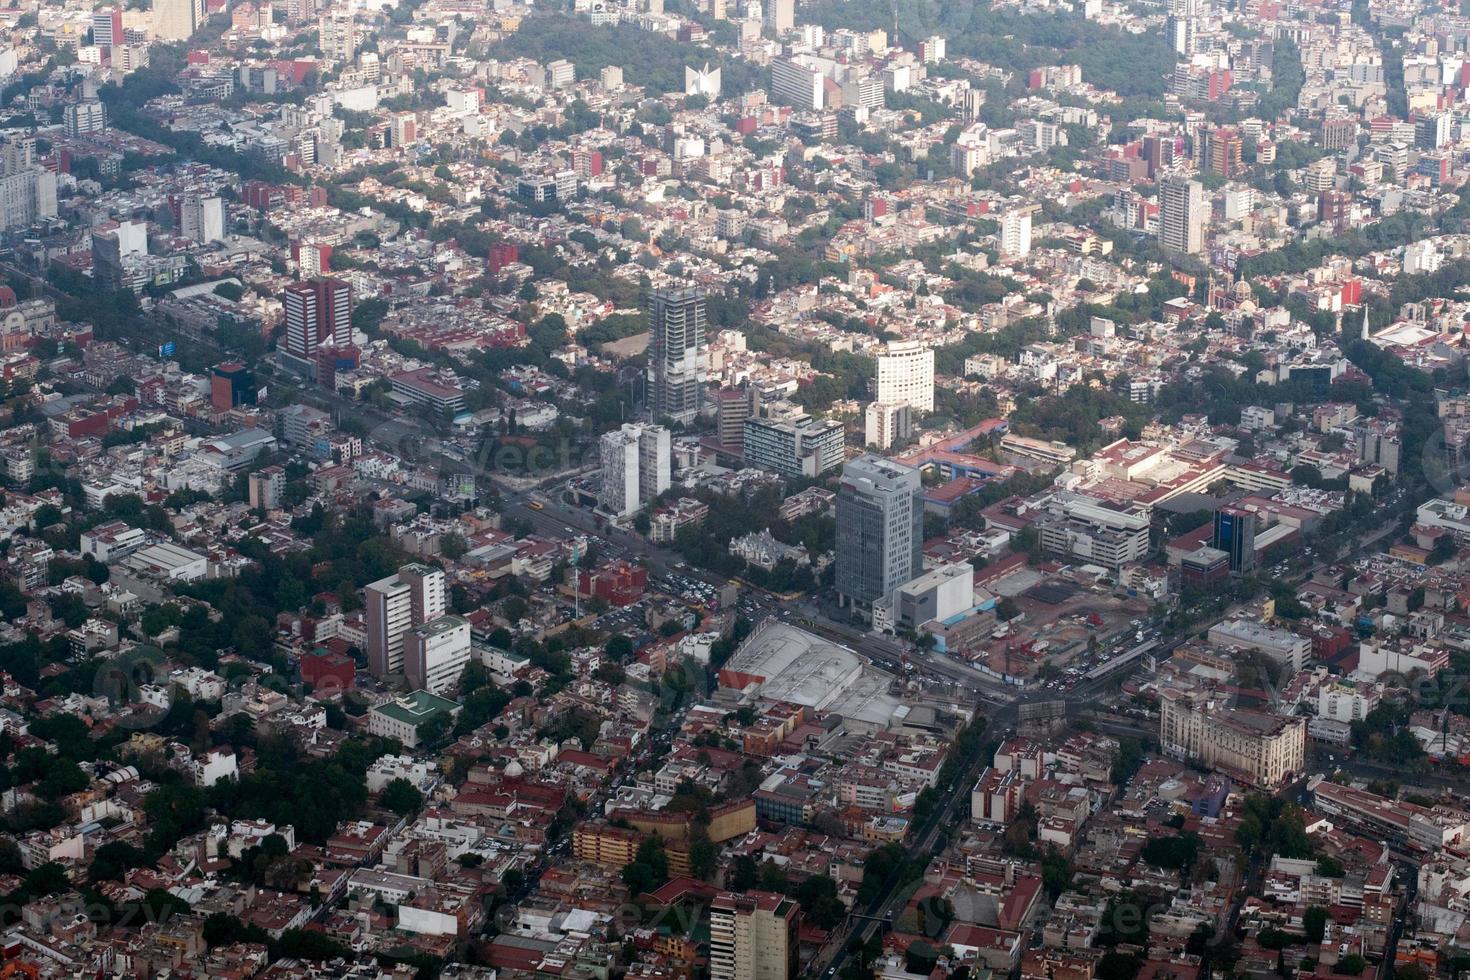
(318, 314)
(231, 384)
(107, 27)
(787, 441)
(940, 594)
(676, 325)
(177, 20)
(905, 376)
(1432, 131)
(780, 15)
(732, 408)
(618, 454)
(561, 74)
(1280, 646)
(1235, 534)
(1015, 233)
(1077, 526)
(865, 92)
(306, 428)
(1181, 214)
(796, 83)
(435, 654)
(547, 188)
(886, 424)
(427, 387)
(1258, 748)
(636, 463)
(395, 605)
(880, 529)
(655, 461)
(86, 116)
(753, 937)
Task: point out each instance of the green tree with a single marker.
(1314, 923)
(649, 868)
(401, 796)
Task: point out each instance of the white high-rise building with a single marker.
(202, 219)
(86, 116)
(1015, 233)
(561, 74)
(780, 15)
(753, 937)
(797, 83)
(435, 654)
(886, 424)
(636, 466)
(27, 189)
(309, 260)
(177, 20)
(655, 461)
(1181, 214)
(906, 376)
(337, 35)
(618, 451)
(395, 605)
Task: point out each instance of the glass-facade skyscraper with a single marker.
(880, 529)
(676, 326)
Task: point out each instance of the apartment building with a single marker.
(753, 937)
(1261, 749)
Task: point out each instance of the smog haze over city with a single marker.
(735, 489)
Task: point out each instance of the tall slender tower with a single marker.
(318, 314)
(393, 606)
(880, 529)
(676, 325)
(1181, 214)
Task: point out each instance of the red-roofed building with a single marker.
(325, 670)
(620, 583)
